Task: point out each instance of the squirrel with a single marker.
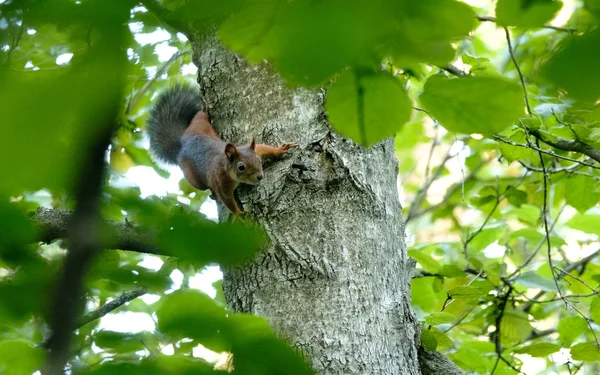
(180, 133)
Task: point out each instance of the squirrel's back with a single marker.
(170, 116)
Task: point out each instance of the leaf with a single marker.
(118, 341)
(190, 313)
(526, 13)
(569, 68)
(473, 104)
(428, 263)
(512, 153)
(585, 351)
(466, 293)
(595, 310)
(515, 196)
(439, 318)
(428, 339)
(19, 357)
(581, 192)
(570, 328)
(540, 349)
(450, 270)
(367, 108)
(586, 223)
(443, 341)
(533, 280)
(515, 327)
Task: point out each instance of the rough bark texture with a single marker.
(335, 279)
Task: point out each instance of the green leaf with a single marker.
(515, 196)
(540, 349)
(587, 223)
(450, 270)
(512, 153)
(533, 280)
(570, 328)
(595, 310)
(526, 13)
(515, 327)
(581, 192)
(439, 318)
(190, 313)
(118, 341)
(428, 263)
(19, 357)
(367, 108)
(473, 104)
(428, 339)
(443, 341)
(570, 67)
(585, 351)
(466, 293)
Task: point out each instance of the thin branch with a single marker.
(119, 301)
(133, 102)
(422, 192)
(521, 77)
(547, 152)
(557, 28)
(569, 145)
(53, 224)
(568, 268)
(539, 245)
(451, 190)
(454, 70)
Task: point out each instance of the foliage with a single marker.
(505, 108)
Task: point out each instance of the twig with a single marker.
(557, 28)
(551, 153)
(119, 301)
(568, 268)
(452, 190)
(521, 78)
(422, 192)
(569, 145)
(454, 70)
(539, 245)
(133, 102)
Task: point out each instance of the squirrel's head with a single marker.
(244, 164)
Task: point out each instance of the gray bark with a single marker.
(335, 279)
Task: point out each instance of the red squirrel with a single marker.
(180, 133)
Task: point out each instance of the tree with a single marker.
(509, 272)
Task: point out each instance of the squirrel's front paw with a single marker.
(286, 146)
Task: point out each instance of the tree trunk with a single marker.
(335, 279)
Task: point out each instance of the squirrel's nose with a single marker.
(259, 177)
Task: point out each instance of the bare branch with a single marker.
(122, 299)
(547, 152)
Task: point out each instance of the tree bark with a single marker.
(335, 279)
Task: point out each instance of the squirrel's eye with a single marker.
(241, 167)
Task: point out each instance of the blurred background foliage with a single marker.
(494, 105)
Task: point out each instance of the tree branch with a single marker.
(435, 363)
(122, 299)
(53, 224)
(557, 28)
(569, 145)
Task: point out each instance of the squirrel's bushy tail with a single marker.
(171, 114)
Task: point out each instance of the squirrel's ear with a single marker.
(230, 151)
(252, 144)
